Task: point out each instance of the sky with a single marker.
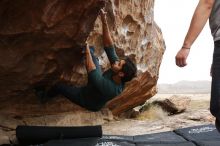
(173, 17)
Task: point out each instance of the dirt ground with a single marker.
(156, 120)
(153, 120)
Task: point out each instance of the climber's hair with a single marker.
(129, 69)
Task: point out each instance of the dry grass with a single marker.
(152, 112)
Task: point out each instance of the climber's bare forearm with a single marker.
(107, 39)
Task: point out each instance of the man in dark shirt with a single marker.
(205, 10)
(101, 87)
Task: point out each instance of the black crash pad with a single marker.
(88, 142)
(208, 143)
(174, 144)
(72, 142)
(41, 134)
(157, 139)
(205, 135)
(118, 138)
(96, 142)
(163, 137)
(114, 143)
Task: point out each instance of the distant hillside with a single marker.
(185, 87)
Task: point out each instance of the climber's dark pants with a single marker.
(215, 88)
(73, 93)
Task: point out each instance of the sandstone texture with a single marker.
(136, 35)
(40, 44)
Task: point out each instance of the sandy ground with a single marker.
(191, 96)
(158, 121)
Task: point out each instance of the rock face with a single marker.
(136, 35)
(39, 44)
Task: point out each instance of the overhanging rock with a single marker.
(39, 44)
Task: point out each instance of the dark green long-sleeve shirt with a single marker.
(101, 87)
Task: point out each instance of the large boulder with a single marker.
(40, 45)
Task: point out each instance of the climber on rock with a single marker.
(100, 87)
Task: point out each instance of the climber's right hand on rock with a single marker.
(103, 15)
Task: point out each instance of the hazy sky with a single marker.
(173, 17)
